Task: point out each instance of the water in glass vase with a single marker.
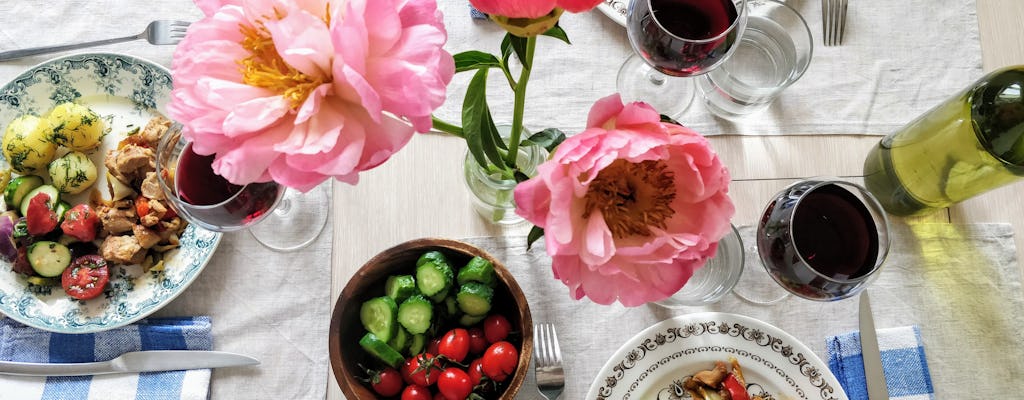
(492, 192)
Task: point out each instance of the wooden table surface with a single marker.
(401, 200)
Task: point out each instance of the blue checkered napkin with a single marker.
(906, 370)
(23, 343)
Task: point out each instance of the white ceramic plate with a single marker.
(126, 92)
(654, 363)
(615, 9)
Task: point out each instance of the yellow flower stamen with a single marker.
(265, 68)
(632, 197)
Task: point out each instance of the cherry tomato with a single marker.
(86, 277)
(416, 392)
(81, 222)
(476, 371)
(387, 382)
(434, 345)
(454, 345)
(39, 218)
(500, 360)
(454, 384)
(477, 341)
(439, 396)
(496, 328)
(421, 369)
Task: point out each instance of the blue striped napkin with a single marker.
(906, 370)
(23, 343)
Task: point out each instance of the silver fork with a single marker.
(157, 32)
(833, 21)
(548, 361)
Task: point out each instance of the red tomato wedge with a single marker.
(86, 277)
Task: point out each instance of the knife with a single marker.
(136, 361)
(873, 372)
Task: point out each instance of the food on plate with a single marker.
(78, 242)
(721, 383)
(27, 145)
(75, 126)
(434, 325)
(72, 173)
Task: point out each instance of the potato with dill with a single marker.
(26, 144)
(76, 127)
(72, 173)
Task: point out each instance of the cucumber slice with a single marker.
(61, 209)
(470, 320)
(378, 316)
(451, 306)
(415, 314)
(48, 259)
(417, 343)
(432, 256)
(475, 298)
(400, 342)
(40, 281)
(18, 187)
(478, 270)
(434, 277)
(380, 349)
(49, 190)
(400, 287)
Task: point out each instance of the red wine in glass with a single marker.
(822, 239)
(683, 37)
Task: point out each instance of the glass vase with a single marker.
(492, 191)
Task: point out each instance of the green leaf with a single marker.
(548, 139)
(668, 120)
(474, 115)
(520, 176)
(473, 59)
(535, 233)
(558, 33)
(513, 44)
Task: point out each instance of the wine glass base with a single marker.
(757, 287)
(669, 95)
(297, 220)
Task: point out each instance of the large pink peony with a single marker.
(531, 8)
(298, 91)
(630, 207)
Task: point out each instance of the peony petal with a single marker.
(304, 42)
(578, 6)
(515, 9)
(255, 115)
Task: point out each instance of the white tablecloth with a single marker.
(959, 283)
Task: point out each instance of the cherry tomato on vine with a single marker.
(454, 384)
(476, 371)
(433, 345)
(500, 360)
(496, 328)
(421, 369)
(388, 382)
(416, 392)
(477, 341)
(454, 345)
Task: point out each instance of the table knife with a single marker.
(873, 373)
(131, 362)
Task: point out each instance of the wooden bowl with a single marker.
(346, 328)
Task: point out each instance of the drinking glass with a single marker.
(822, 239)
(279, 218)
(715, 279)
(673, 40)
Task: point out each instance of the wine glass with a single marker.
(822, 239)
(277, 217)
(673, 39)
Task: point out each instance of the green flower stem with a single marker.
(446, 127)
(520, 103)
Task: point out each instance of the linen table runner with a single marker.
(898, 59)
(960, 284)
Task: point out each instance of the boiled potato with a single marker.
(76, 126)
(73, 172)
(27, 145)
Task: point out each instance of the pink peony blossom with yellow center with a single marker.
(299, 91)
(630, 207)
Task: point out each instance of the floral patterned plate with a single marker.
(615, 9)
(126, 92)
(654, 363)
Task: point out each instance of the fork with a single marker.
(548, 361)
(157, 32)
(833, 17)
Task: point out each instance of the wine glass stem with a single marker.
(656, 77)
(283, 206)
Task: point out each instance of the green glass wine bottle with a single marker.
(969, 144)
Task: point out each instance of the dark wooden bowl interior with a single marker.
(368, 282)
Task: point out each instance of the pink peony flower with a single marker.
(630, 207)
(531, 8)
(297, 91)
